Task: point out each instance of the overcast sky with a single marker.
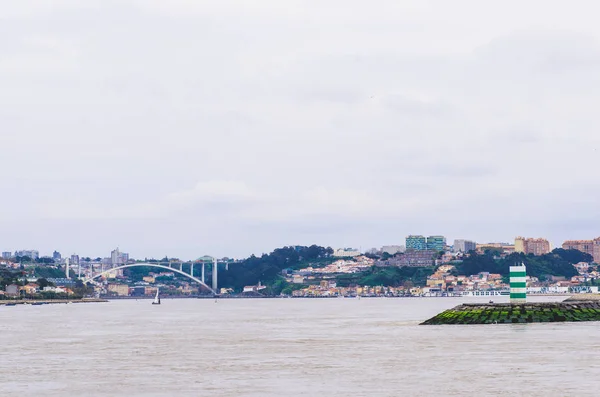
(190, 127)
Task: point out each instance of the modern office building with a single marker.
(417, 243)
(535, 246)
(6, 255)
(436, 243)
(461, 245)
(56, 256)
(74, 260)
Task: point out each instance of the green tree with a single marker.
(43, 283)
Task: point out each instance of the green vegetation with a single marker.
(8, 277)
(387, 276)
(268, 268)
(557, 263)
(48, 272)
(138, 273)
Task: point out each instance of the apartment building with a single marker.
(535, 246)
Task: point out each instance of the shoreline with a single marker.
(466, 298)
(35, 302)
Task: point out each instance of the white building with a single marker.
(118, 258)
(393, 249)
(33, 254)
(115, 257)
(346, 252)
(464, 245)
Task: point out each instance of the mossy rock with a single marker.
(518, 314)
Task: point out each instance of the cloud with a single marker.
(268, 124)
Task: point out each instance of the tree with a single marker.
(541, 266)
(268, 267)
(43, 283)
(573, 256)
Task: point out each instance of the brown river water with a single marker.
(287, 347)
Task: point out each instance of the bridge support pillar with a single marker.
(202, 278)
(67, 269)
(192, 269)
(214, 275)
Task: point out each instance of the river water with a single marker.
(286, 347)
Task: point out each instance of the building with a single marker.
(33, 254)
(113, 273)
(505, 248)
(138, 291)
(591, 247)
(417, 243)
(149, 279)
(74, 260)
(6, 255)
(56, 256)
(118, 258)
(31, 288)
(393, 249)
(346, 252)
(413, 258)
(151, 290)
(12, 290)
(535, 246)
(115, 257)
(119, 289)
(436, 243)
(464, 245)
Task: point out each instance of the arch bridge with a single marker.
(157, 265)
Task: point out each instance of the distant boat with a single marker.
(156, 299)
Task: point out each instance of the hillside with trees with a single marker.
(559, 262)
(268, 267)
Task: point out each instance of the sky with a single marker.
(230, 127)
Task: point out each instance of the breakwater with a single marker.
(507, 313)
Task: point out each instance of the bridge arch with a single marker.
(196, 279)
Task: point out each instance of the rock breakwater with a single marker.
(506, 313)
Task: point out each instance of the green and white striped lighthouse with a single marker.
(518, 286)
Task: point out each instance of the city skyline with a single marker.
(398, 247)
(273, 125)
